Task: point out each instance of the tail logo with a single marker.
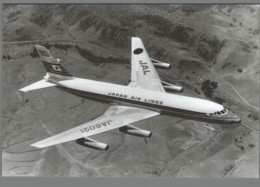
(51, 64)
(56, 68)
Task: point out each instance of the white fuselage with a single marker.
(158, 101)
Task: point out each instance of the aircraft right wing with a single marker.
(114, 117)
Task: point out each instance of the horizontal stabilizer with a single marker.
(37, 85)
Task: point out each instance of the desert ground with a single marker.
(202, 42)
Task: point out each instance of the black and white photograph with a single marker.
(130, 90)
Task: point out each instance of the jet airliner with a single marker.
(144, 97)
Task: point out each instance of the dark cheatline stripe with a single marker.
(49, 68)
(106, 97)
(59, 73)
(165, 110)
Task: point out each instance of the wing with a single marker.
(114, 117)
(143, 73)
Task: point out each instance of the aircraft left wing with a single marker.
(114, 117)
(143, 73)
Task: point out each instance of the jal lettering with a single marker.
(145, 67)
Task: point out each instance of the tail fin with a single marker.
(55, 71)
(52, 65)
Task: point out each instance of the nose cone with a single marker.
(231, 117)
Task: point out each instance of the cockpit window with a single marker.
(222, 112)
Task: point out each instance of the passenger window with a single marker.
(218, 113)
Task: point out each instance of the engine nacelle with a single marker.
(87, 142)
(159, 64)
(128, 129)
(171, 87)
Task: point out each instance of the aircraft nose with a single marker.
(234, 118)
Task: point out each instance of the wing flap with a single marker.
(114, 117)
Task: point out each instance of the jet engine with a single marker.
(87, 142)
(129, 129)
(171, 87)
(159, 64)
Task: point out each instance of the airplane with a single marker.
(144, 97)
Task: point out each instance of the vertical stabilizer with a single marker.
(53, 67)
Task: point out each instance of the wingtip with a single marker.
(136, 38)
(36, 145)
(22, 90)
